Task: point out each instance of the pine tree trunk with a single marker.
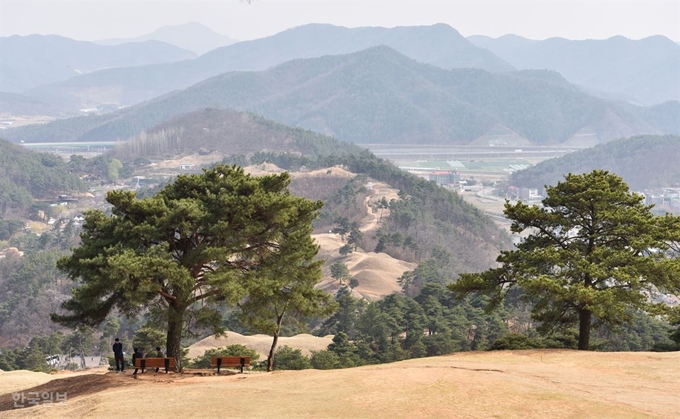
(174, 339)
(272, 350)
(584, 317)
(270, 360)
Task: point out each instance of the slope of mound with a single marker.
(74, 385)
(260, 343)
(17, 380)
(377, 273)
(507, 384)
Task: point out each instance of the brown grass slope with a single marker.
(506, 384)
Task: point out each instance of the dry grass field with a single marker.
(506, 384)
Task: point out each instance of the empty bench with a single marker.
(230, 361)
(167, 363)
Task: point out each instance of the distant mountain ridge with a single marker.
(439, 45)
(34, 60)
(381, 96)
(191, 36)
(645, 71)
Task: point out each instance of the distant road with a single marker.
(442, 152)
(92, 147)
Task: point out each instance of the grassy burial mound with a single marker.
(16, 380)
(260, 343)
(507, 384)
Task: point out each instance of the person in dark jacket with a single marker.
(118, 354)
(159, 354)
(137, 355)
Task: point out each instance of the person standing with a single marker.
(118, 354)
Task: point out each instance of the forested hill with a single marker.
(381, 96)
(439, 45)
(644, 162)
(25, 175)
(230, 132)
(428, 217)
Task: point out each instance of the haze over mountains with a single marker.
(35, 60)
(448, 91)
(191, 36)
(381, 96)
(440, 45)
(645, 71)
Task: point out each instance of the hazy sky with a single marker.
(537, 19)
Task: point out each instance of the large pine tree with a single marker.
(594, 254)
(203, 241)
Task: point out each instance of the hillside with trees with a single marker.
(427, 224)
(26, 175)
(381, 96)
(641, 71)
(644, 162)
(425, 218)
(230, 132)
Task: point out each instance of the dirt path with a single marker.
(377, 272)
(370, 221)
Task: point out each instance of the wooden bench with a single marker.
(167, 363)
(230, 361)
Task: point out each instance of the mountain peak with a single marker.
(192, 36)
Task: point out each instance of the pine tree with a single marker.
(202, 242)
(594, 253)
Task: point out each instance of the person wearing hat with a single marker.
(118, 354)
